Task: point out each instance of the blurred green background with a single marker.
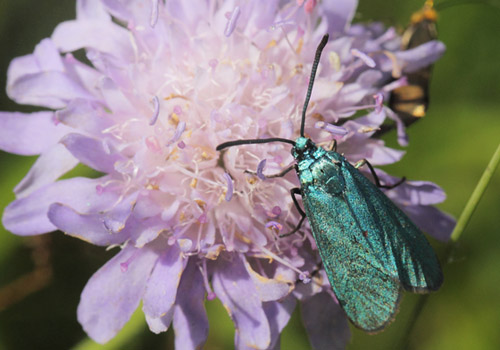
(450, 147)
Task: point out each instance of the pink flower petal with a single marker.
(339, 14)
(162, 285)
(85, 116)
(92, 152)
(190, 317)
(278, 314)
(242, 302)
(431, 220)
(325, 322)
(111, 295)
(421, 56)
(269, 289)
(87, 227)
(47, 89)
(104, 227)
(28, 216)
(73, 35)
(29, 133)
(91, 9)
(48, 168)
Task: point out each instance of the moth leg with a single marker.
(375, 177)
(280, 174)
(332, 146)
(294, 192)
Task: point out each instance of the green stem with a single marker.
(476, 196)
(459, 228)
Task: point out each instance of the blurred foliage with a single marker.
(450, 147)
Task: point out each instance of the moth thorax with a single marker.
(327, 175)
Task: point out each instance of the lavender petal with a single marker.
(421, 56)
(112, 294)
(339, 14)
(325, 322)
(101, 228)
(162, 285)
(92, 152)
(47, 168)
(190, 317)
(74, 35)
(432, 220)
(278, 313)
(28, 216)
(269, 289)
(47, 89)
(236, 290)
(29, 133)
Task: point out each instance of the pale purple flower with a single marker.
(170, 81)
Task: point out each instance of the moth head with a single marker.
(303, 146)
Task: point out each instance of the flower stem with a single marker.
(459, 228)
(476, 196)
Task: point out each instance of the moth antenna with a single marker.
(319, 50)
(252, 142)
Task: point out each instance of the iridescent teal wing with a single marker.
(401, 247)
(368, 295)
(369, 248)
(366, 292)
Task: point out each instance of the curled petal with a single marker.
(400, 127)
(154, 13)
(336, 130)
(232, 21)
(260, 169)
(45, 58)
(229, 192)
(156, 110)
(364, 57)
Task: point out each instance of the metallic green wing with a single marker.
(403, 249)
(369, 248)
(366, 292)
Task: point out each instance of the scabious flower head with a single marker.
(164, 84)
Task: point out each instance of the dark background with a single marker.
(450, 147)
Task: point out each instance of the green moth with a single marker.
(370, 249)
